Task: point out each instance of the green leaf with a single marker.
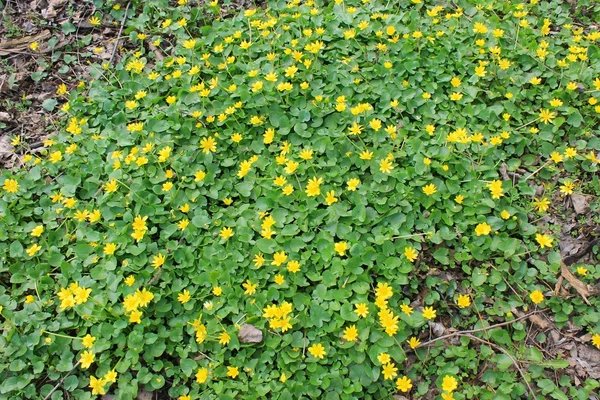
(16, 249)
(503, 362)
(49, 104)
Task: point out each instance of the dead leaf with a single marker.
(580, 203)
(4, 116)
(250, 334)
(584, 290)
(6, 149)
(16, 45)
(52, 10)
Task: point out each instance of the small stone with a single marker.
(250, 334)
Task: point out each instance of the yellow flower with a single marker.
(505, 214)
(340, 248)
(88, 341)
(582, 271)
(250, 288)
(596, 340)
(543, 240)
(386, 166)
(413, 342)
(350, 333)
(483, 229)
(87, 358)
(135, 316)
(406, 309)
(184, 297)
(403, 384)
(313, 187)
(463, 301)
(352, 184)
(546, 116)
(37, 231)
(279, 258)
(567, 187)
(97, 386)
(375, 124)
(183, 224)
(496, 189)
(389, 371)
(55, 157)
(536, 296)
(411, 254)
(383, 290)
(111, 186)
(208, 145)
(293, 266)
(34, 248)
(110, 376)
(109, 248)
(259, 260)
(384, 358)
(366, 155)
(449, 383)
(330, 198)
(224, 338)
(233, 372)
(361, 309)
(317, 350)
(95, 20)
(479, 28)
(11, 185)
(199, 176)
(430, 189)
(201, 375)
(158, 260)
(455, 96)
(130, 280)
(429, 313)
(226, 233)
(541, 205)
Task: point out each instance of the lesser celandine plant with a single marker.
(353, 178)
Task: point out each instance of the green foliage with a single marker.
(287, 167)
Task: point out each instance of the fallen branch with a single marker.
(471, 331)
(61, 381)
(112, 56)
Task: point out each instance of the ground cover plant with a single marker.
(382, 189)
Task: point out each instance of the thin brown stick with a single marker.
(470, 331)
(515, 362)
(61, 381)
(112, 56)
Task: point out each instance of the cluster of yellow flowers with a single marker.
(266, 225)
(139, 227)
(132, 303)
(279, 316)
(199, 329)
(72, 295)
(75, 125)
(387, 319)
